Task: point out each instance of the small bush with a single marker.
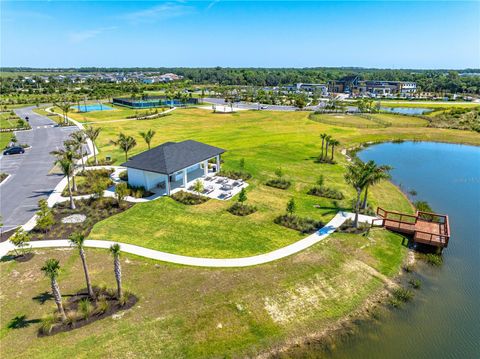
(280, 183)
(123, 176)
(408, 268)
(434, 259)
(415, 283)
(138, 192)
(47, 324)
(303, 225)
(347, 227)
(402, 294)
(72, 317)
(240, 209)
(102, 305)
(124, 299)
(394, 302)
(326, 192)
(189, 198)
(235, 175)
(86, 308)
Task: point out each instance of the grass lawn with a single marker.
(118, 113)
(186, 312)
(426, 104)
(341, 119)
(5, 139)
(400, 120)
(54, 117)
(7, 120)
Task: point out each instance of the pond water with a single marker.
(443, 320)
(407, 110)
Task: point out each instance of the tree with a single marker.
(375, 175)
(66, 167)
(51, 270)
(115, 251)
(327, 142)
(279, 172)
(198, 186)
(20, 240)
(121, 191)
(357, 177)
(78, 240)
(242, 164)
(291, 207)
(68, 153)
(147, 136)
(45, 218)
(333, 143)
(93, 133)
(65, 107)
(242, 196)
(126, 143)
(323, 136)
(320, 181)
(79, 140)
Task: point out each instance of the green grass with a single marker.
(400, 120)
(118, 113)
(342, 119)
(196, 312)
(8, 120)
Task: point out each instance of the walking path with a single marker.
(293, 248)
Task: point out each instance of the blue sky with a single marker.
(389, 34)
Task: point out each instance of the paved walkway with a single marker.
(293, 248)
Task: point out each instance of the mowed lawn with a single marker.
(116, 113)
(400, 120)
(267, 141)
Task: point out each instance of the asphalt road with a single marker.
(250, 106)
(30, 180)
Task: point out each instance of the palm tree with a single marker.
(357, 177)
(65, 107)
(375, 175)
(126, 143)
(78, 240)
(333, 143)
(79, 140)
(147, 136)
(115, 250)
(66, 167)
(69, 154)
(327, 142)
(323, 136)
(93, 134)
(51, 269)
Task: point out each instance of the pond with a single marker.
(442, 321)
(407, 110)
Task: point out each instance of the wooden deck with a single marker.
(426, 228)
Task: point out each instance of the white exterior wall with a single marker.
(148, 180)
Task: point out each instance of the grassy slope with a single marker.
(180, 308)
(267, 141)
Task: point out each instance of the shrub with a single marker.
(280, 183)
(138, 192)
(402, 294)
(102, 305)
(124, 298)
(415, 283)
(47, 324)
(123, 176)
(326, 192)
(303, 225)
(434, 259)
(72, 317)
(347, 227)
(240, 209)
(189, 198)
(408, 268)
(85, 307)
(235, 175)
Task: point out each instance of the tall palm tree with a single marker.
(68, 153)
(333, 143)
(323, 136)
(79, 140)
(147, 136)
(115, 251)
(66, 167)
(78, 240)
(357, 177)
(93, 134)
(126, 143)
(51, 269)
(65, 107)
(375, 174)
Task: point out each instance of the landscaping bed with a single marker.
(240, 209)
(303, 225)
(95, 210)
(91, 181)
(235, 175)
(189, 198)
(279, 183)
(3, 176)
(347, 227)
(321, 191)
(80, 310)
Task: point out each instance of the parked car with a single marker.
(264, 107)
(14, 150)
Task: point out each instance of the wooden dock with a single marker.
(426, 228)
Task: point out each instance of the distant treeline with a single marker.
(427, 80)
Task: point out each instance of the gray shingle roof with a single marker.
(171, 157)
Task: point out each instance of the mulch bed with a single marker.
(240, 209)
(189, 198)
(303, 225)
(321, 191)
(72, 304)
(278, 183)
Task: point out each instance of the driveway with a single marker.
(30, 178)
(250, 106)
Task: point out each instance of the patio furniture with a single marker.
(226, 187)
(209, 189)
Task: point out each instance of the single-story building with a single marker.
(172, 165)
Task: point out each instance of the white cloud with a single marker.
(159, 12)
(81, 36)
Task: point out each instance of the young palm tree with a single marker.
(68, 154)
(375, 175)
(323, 136)
(51, 269)
(78, 240)
(147, 136)
(328, 138)
(78, 141)
(65, 107)
(126, 143)
(115, 250)
(357, 177)
(67, 170)
(333, 143)
(93, 133)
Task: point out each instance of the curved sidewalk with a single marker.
(293, 248)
